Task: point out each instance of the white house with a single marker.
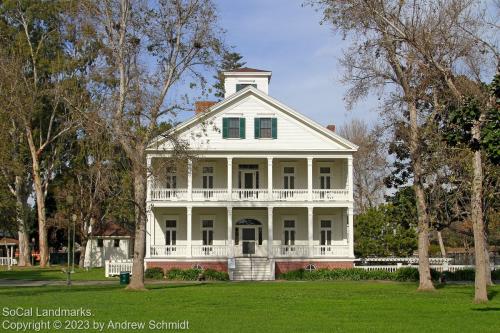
(267, 190)
(108, 242)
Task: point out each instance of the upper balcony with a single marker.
(256, 179)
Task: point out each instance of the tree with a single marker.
(178, 39)
(39, 70)
(230, 60)
(369, 163)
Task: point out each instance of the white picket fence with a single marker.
(4, 261)
(439, 268)
(115, 267)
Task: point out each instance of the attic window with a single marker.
(116, 243)
(100, 242)
(241, 86)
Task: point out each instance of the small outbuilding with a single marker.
(110, 241)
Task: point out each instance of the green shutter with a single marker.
(274, 128)
(225, 128)
(242, 128)
(257, 128)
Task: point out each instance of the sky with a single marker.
(286, 38)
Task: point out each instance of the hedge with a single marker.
(154, 273)
(195, 274)
(408, 274)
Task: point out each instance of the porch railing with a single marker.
(331, 250)
(290, 195)
(332, 194)
(209, 251)
(4, 261)
(250, 194)
(168, 250)
(215, 194)
(290, 251)
(169, 194)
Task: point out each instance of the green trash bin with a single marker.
(124, 278)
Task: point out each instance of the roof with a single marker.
(246, 91)
(8, 241)
(246, 70)
(111, 229)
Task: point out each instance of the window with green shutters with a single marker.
(266, 128)
(233, 128)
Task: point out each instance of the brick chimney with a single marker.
(202, 106)
(331, 127)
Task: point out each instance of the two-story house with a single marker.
(267, 190)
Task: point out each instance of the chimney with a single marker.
(331, 127)
(202, 106)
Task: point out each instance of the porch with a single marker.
(221, 233)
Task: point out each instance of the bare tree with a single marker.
(146, 51)
(369, 163)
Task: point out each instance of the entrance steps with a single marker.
(253, 269)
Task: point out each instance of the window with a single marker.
(260, 235)
(171, 233)
(310, 268)
(289, 178)
(233, 128)
(237, 236)
(116, 243)
(241, 86)
(289, 232)
(207, 230)
(171, 178)
(326, 232)
(208, 177)
(325, 178)
(266, 128)
(100, 243)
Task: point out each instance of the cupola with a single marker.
(238, 79)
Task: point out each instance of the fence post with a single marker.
(106, 268)
(445, 266)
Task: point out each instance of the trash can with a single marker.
(124, 278)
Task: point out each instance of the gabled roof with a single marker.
(250, 90)
(111, 229)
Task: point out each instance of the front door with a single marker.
(248, 239)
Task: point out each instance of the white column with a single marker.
(229, 177)
(189, 217)
(230, 231)
(350, 231)
(309, 177)
(149, 173)
(269, 178)
(149, 224)
(190, 179)
(310, 230)
(270, 232)
(350, 180)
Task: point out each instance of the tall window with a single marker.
(170, 232)
(207, 230)
(171, 178)
(326, 232)
(289, 232)
(234, 127)
(288, 178)
(325, 178)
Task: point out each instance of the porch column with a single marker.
(230, 232)
(190, 179)
(270, 237)
(350, 180)
(149, 224)
(189, 231)
(350, 231)
(270, 178)
(149, 173)
(309, 178)
(310, 230)
(229, 177)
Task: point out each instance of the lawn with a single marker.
(52, 273)
(276, 306)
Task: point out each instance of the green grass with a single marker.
(52, 273)
(277, 307)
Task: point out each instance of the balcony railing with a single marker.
(221, 194)
(223, 251)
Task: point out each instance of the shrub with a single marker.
(495, 275)
(154, 273)
(461, 275)
(193, 274)
(212, 274)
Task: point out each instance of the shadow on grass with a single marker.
(175, 285)
(34, 291)
(487, 309)
(492, 294)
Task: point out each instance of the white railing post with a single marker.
(106, 268)
(309, 178)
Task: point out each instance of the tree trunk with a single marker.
(425, 281)
(441, 244)
(83, 252)
(140, 184)
(22, 230)
(481, 294)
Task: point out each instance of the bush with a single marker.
(354, 274)
(406, 274)
(495, 275)
(154, 273)
(193, 274)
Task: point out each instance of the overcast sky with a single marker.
(287, 39)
